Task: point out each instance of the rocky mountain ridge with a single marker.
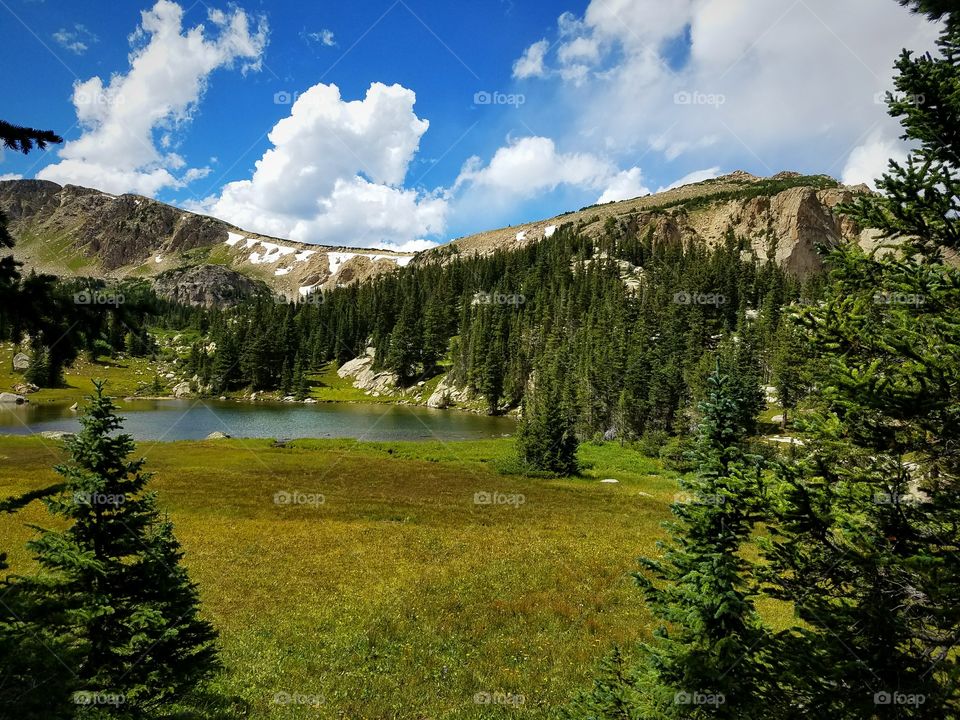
(75, 231)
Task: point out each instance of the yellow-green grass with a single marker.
(398, 596)
(124, 377)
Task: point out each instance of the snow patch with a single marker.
(158, 259)
(549, 231)
(233, 238)
(303, 255)
(282, 271)
(521, 236)
(337, 259)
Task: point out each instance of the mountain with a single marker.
(75, 231)
(785, 217)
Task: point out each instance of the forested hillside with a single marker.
(625, 326)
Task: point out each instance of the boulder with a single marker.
(365, 378)
(21, 362)
(217, 435)
(310, 401)
(446, 394)
(181, 389)
(12, 398)
(25, 388)
(74, 407)
(57, 435)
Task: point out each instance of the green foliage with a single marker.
(865, 532)
(112, 589)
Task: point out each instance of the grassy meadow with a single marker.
(397, 596)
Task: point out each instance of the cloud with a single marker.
(324, 37)
(169, 69)
(695, 177)
(624, 186)
(10, 176)
(77, 40)
(334, 174)
(530, 64)
(530, 166)
(747, 81)
(871, 159)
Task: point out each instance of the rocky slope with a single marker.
(785, 217)
(72, 230)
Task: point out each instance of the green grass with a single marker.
(398, 597)
(124, 377)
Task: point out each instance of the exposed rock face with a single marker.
(365, 378)
(21, 362)
(181, 390)
(217, 435)
(785, 218)
(446, 394)
(207, 285)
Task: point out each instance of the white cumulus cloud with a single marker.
(169, 68)
(870, 160)
(335, 172)
(530, 64)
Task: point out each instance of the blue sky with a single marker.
(409, 122)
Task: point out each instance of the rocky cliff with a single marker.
(785, 218)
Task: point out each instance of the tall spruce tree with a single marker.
(113, 584)
(866, 541)
(546, 438)
(706, 659)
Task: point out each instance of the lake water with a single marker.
(195, 419)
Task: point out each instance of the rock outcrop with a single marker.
(208, 285)
(365, 377)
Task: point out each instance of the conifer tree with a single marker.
(546, 439)
(866, 542)
(706, 660)
(113, 582)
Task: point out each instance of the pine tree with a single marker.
(546, 440)
(113, 581)
(866, 542)
(707, 660)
